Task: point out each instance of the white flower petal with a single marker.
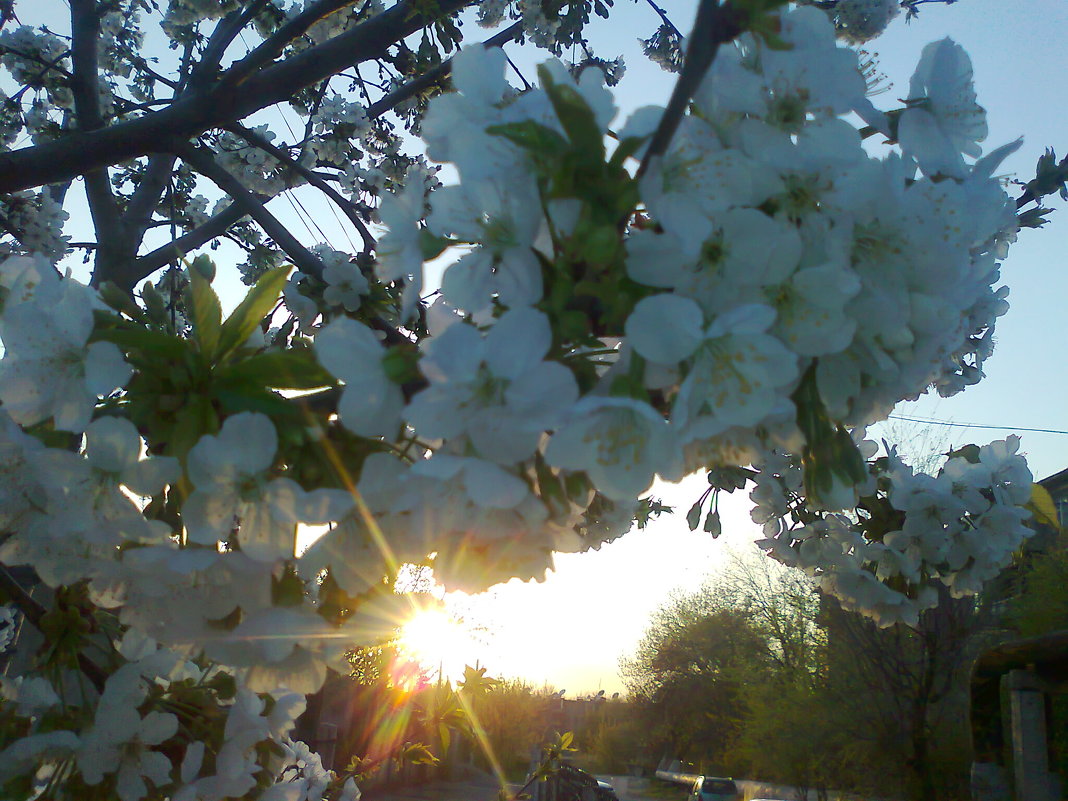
(665, 328)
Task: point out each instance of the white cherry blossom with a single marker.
(943, 119)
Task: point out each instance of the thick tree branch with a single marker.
(273, 46)
(146, 197)
(85, 86)
(135, 222)
(203, 161)
(85, 79)
(54, 162)
(221, 38)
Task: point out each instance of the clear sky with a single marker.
(571, 630)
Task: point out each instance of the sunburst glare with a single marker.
(440, 641)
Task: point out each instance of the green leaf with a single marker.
(432, 246)
(264, 402)
(575, 115)
(549, 486)
(533, 136)
(290, 369)
(288, 590)
(445, 737)
(194, 419)
(154, 303)
(401, 364)
(970, 453)
(625, 149)
(152, 343)
(204, 267)
(251, 311)
(120, 301)
(416, 754)
(205, 313)
(601, 245)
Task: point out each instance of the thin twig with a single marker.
(666, 19)
(346, 206)
(203, 161)
(715, 25)
(434, 76)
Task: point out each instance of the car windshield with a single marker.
(718, 786)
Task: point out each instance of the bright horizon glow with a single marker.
(440, 642)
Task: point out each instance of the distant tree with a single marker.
(817, 697)
(1041, 605)
(788, 736)
(899, 694)
(512, 718)
(689, 672)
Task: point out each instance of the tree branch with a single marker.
(189, 116)
(203, 161)
(135, 222)
(85, 77)
(221, 38)
(215, 227)
(665, 18)
(272, 47)
(85, 86)
(146, 197)
(346, 206)
(434, 76)
(715, 24)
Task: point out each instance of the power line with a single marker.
(931, 421)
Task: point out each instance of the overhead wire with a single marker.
(935, 422)
(298, 207)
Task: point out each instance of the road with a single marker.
(628, 788)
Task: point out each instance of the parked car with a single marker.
(575, 784)
(713, 788)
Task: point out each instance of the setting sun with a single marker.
(440, 642)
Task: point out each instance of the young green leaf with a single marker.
(575, 115)
(292, 369)
(205, 313)
(248, 314)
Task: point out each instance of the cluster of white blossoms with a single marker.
(257, 169)
(27, 53)
(763, 287)
(39, 220)
(858, 21)
(910, 532)
(338, 121)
